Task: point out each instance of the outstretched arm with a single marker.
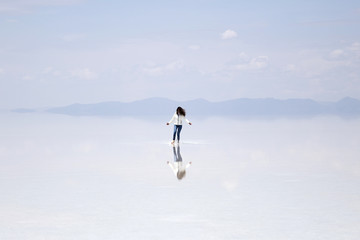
(188, 165)
(172, 167)
(171, 120)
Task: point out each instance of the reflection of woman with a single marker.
(178, 118)
(178, 168)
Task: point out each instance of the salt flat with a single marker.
(107, 178)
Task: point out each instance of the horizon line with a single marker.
(178, 101)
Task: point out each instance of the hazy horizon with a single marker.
(173, 100)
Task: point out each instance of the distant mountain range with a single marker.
(239, 107)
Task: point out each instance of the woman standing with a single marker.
(178, 118)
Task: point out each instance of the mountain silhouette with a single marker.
(242, 107)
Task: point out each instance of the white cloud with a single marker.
(355, 48)
(243, 58)
(356, 45)
(50, 71)
(175, 65)
(154, 71)
(162, 69)
(259, 62)
(228, 34)
(1, 70)
(335, 54)
(84, 73)
(338, 62)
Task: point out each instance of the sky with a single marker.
(59, 52)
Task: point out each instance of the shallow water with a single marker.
(67, 177)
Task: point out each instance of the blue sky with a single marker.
(64, 51)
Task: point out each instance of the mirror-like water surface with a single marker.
(116, 178)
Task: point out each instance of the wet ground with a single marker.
(109, 178)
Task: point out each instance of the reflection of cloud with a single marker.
(184, 218)
(260, 157)
(228, 34)
(32, 217)
(84, 147)
(230, 185)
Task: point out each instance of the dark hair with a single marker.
(180, 111)
(180, 175)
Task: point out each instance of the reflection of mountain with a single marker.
(240, 107)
